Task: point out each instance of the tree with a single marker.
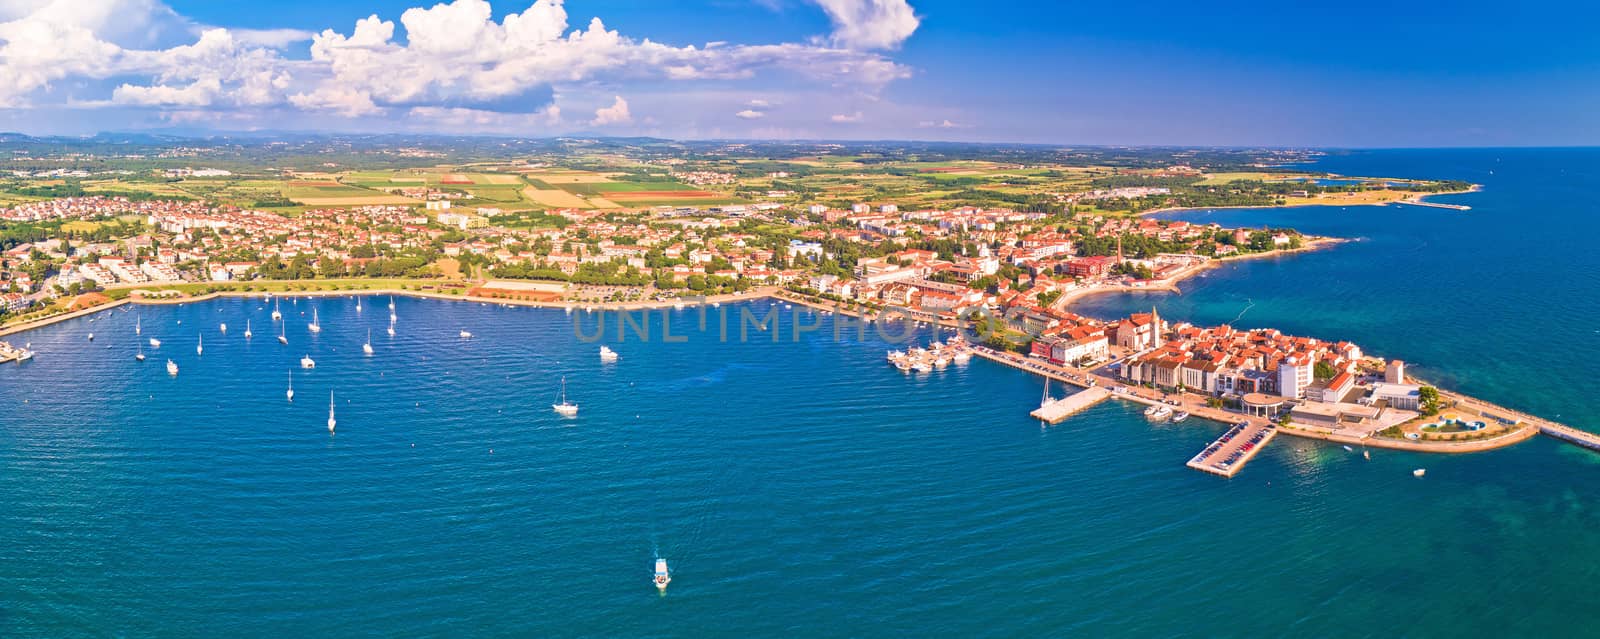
(1324, 371)
(1428, 398)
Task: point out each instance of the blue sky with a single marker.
(1353, 74)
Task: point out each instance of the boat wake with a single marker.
(1250, 303)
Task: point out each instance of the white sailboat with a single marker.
(1419, 472)
(367, 347)
(662, 576)
(316, 324)
(247, 333)
(307, 362)
(276, 314)
(200, 346)
(466, 334)
(391, 328)
(608, 355)
(224, 328)
(91, 337)
(358, 305)
(282, 338)
(330, 412)
(138, 329)
(172, 369)
(291, 386)
(155, 343)
(392, 316)
(140, 355)
(565, 408)
(391, 303)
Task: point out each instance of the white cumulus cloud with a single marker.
(846, 118)
(617, 113)
(870, 24)
(749, 114)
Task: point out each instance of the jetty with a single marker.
(1437, 205)
(1229, 453)
(1052, 411)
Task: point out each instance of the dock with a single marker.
(1055, 410)
(1437, 205)
(1229, 453)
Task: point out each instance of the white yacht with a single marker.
(963, 357)
(276, 314)
(307, 362)
(367, 347)
(662, 576)
(1419, 472)
(465, 334)
(330, 412)
(608, 355)
(247, 333)
(91, 337)
(172, 369)
(155, 343)
(565, 408)
(316, 324)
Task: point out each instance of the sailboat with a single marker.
(140, 355)
(276, 314)
(291, 386)
(330, 411)
(662, 576)
(316, 324)
(247, 333)
(91, 337)
(358, 305)
(172, 369)
(565, 408)
(392, 316)
(224, 328)
(391, 328)
(282, 338)
(367, 347)
(1419, 472)
(155, 343)
(608, 355)
(200, 347)
(137, 328)
(465, 334)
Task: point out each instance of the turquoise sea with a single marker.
(798, 485)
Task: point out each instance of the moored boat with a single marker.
(564, 407)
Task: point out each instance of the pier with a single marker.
(1054, 410)
(1229, 453)
(1437, 205)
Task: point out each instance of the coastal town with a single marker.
(1009, 274)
